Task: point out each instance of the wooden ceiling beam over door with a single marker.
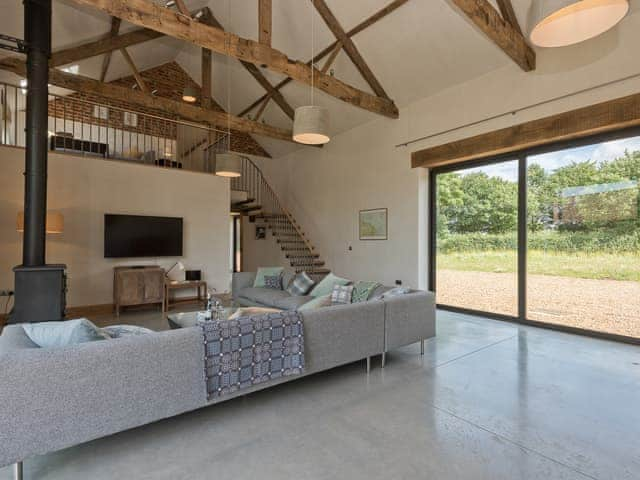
(220, 119)
(379, 15)
(503, 34)
(115, 28)
(149, 15)
(264, 22)
(599, 118)
(349, 47)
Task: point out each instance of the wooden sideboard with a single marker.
(138, 286)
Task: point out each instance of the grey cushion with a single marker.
(273, 281)
(341, 294)
(265, 296)
(64, 333)
(292, 302)
(301, 284)
(14, 339)
(287, 277)
(378, 292)
(119, 331)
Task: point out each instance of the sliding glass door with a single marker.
(549, 236)
(583, 249)
(476, 240)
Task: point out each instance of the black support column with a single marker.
(37, 31)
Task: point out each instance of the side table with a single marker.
(199, 285)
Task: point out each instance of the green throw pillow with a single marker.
(266, 272)
(325, 287)
(318, 302)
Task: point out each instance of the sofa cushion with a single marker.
(341, 294)
(362, 291)
(294, 302)
(378, 292)
(273, 281)
(300, 285)
(62, 334)
(251, 311)
(120, 331)
(325, 287)
(264, 296)
(317, 302)
(263, 272)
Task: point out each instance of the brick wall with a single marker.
(169, 81)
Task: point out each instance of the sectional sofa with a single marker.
(55, 398)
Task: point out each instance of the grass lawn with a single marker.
(584, 265)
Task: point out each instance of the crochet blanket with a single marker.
(246, 351)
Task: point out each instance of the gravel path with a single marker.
(605, 305)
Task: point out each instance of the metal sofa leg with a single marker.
(421, 347)
(384, 357)
(17, 471)
(368, 364)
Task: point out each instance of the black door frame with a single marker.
(521, 157)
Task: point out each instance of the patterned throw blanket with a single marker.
(247, 351)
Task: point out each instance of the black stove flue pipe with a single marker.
(37, 32)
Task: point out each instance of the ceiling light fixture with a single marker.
(560, 23)
(311, 122)
(189, 94)
(228, 164)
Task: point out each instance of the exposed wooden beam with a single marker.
(193, 113)
(206, 78)
(379, 15)
(332, 58)
(182, 8)
(503, 34)
(105, 45)
(136, 74)
(264, 22)
(506, 9)
(349, 47)
(262, 108)
(147, 14)
(106, 61)
(603, 117)
(210, 19)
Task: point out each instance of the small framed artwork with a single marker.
(373, 224)
(261, 232)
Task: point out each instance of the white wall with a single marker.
(83, 189)
(362, 168)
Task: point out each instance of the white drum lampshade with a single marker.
(311, 125)
(228, 165)
(559, 23)
(54, 223)
(189, 94)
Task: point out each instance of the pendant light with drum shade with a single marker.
(560, 23)
(189, 94)
(311, 122)
(228, 164)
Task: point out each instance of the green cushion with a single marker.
(362, 291)
(62, 334)
(266, 272)
(318, 302)
(325, 287)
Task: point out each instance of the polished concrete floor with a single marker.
(488, 400)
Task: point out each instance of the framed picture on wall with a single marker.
(261, 232)
(373, 224)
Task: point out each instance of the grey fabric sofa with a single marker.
(408, 318)
(55, 398)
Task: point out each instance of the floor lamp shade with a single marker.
(228, 165)
(559, 23)
(311, 125)
(54, 222)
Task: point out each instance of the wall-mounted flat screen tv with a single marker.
(142, 236)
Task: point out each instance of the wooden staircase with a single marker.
(253, 197)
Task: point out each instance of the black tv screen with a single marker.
(142, 236)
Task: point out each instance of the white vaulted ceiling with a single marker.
(420, 49)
